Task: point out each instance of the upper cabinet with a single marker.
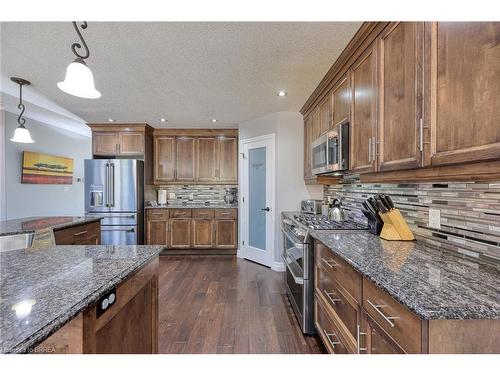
(196, 156)
(464, 92)
(400, 132)
(122, 140)
(364, 112)
(421, 99)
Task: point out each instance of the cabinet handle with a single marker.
(332, 300)
(79, 233)
(421, 132)
(369, 150)
(330, 263)
(358, 340)
(377, 308)
(328, 335)
(374, 149)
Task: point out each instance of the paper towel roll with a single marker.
(162, 196)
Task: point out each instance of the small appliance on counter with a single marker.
(162, 196)
(230, 195)
(386, 220)
(311, 206)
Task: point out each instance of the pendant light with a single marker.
(79, 80)
(21, 134)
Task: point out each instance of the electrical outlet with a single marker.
(434, 218)
(191, 196)
(171, 195)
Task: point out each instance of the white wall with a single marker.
(288, 128)
(26, 200)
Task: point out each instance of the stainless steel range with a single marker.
(298, 256)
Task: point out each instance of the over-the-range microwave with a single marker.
(330, 152)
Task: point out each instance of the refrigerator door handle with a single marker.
(112, 188)
(106, 183)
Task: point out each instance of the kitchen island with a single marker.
(79, 299)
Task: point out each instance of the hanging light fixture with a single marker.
(21, 134)
(79, 80)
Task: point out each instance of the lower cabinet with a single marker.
(375, 340)
(85, 234)
(193, 228)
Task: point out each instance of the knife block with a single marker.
(395, 227)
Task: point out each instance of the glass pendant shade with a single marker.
(22, 135)
(79, 81)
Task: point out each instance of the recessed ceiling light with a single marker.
(214, 120)
(111, 120)
(282, 93)
(163, 120)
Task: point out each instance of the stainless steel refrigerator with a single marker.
(114, 189)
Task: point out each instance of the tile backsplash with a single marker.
(470, 212)
(202, 194)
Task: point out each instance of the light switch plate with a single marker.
(434, 218)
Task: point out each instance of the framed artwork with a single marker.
(46, 169)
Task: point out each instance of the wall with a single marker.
(25, 200)
(290, 188)
(202, 194)
(470, 213)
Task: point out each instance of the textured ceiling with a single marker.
(186, 72)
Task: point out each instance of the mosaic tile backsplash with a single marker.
(470, 212)
(202, 194)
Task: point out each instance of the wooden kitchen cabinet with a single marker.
(196, 156)
(375, 340)
(180, 233)
(203, 233)
(341, 99)
(157, 232)
(307, 148)
(463, 92)
(364, 113)
(185, 158)
(326, 114)
(315, 125)
(400, 134)
(226, 233)
(164, 159)
(84, 234)
(125, 140)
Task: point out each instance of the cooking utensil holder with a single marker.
(395, 227)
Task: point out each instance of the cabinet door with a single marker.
(203, 233)
(400, 90)
(307, 147)
(316, 124)
(227, 155)
(157, 232)
(374, 340)
(105, 143)
(164, 159)
(341, 101)
(325, 114)
(185, 159)
(206, 159)
(226, 234)
(465, 83)
(131, 143)
(364, 112)
(180, 233)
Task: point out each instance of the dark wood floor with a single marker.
(222, 304)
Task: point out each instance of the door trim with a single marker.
(270, 260)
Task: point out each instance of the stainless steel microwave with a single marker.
(330, 152)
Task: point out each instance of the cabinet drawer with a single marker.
(203, 214)
(346, 310)
(86, 234)
(157, 213)
(180, 213)
(347, 277)
(399, 323)
(327, 330)
(229, 213)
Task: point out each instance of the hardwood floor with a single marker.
(222, 304)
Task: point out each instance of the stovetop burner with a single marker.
(319, 222)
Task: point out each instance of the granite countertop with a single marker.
(41, 290)
(32, 224)
(432, 283)
(194, 206)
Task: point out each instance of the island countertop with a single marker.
(32, 224)
(433, 284)
(41, 290)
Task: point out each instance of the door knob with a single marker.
(265, 209)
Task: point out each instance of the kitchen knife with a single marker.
(371, 209)
(384, 200)
(374, 204)
(381, 205)
(389, 199)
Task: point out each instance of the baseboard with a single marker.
(278, 266)
(239, 253)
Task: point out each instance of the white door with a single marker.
(257, 199)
